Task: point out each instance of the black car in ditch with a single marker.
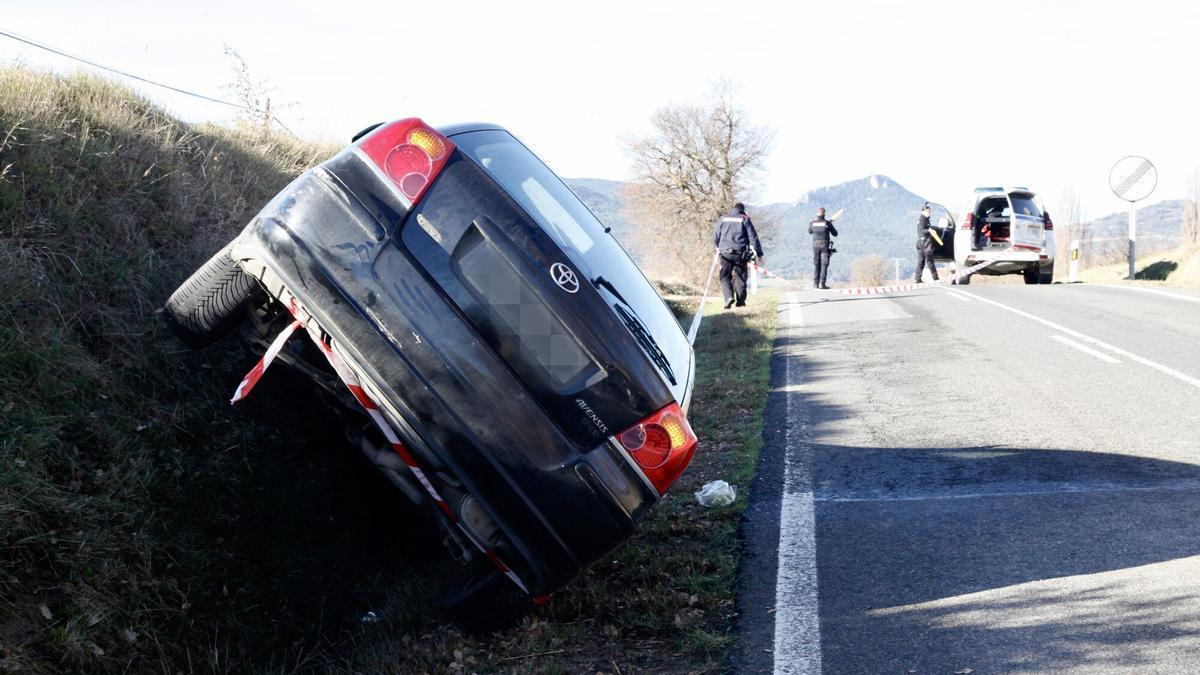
(479, 332)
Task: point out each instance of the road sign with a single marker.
(1133, 178)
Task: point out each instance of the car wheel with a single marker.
(963, 281)
(205, 307)
(486, 602)
(1030, 274)
(1046, 275)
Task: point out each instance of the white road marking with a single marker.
(1155, 291)
(797, 624)
(1166, 370)
(959, 295)
(1059, 489)
(1085, 349)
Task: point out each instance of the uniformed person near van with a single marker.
(821, 231)
(925, 246)
(734, 236)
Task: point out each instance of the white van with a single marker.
(1007, 225)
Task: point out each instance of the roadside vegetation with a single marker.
(1178, 267)
(146, 526)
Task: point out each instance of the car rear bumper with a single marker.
(1009, 260)
(559, 506)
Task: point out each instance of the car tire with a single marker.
(206, 306)
(486, 602)
(963, 281)
(1045, 275)
(1031, 275)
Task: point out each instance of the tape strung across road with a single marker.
(882, 290)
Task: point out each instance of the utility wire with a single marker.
(55, 50)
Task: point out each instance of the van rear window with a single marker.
(1025, 206)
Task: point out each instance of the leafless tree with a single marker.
(871, 270)
(1190, 233)
(252, 96)
(699, 159)
(1071, 225)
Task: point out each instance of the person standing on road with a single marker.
(821, 230)
(925, 246)
(734, 235)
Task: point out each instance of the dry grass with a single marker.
(1178, 268)
(144, 526)
(105, 436)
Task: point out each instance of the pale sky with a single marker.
(941, 96)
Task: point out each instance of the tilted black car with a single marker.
(527, 381)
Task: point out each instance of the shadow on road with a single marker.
(991, 557)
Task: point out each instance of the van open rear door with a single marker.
(1027, 226)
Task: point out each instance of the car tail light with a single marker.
(968, 221)
(662, 445)
(409, 152)
(1049, 223)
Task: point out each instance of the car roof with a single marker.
(1004, 189)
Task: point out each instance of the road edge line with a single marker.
(797, 618)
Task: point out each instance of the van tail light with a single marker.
(968, 221)
(662, 445)
(1049, 223)
(409, 152)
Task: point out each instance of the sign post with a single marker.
(1133, 178)
(1073, 273)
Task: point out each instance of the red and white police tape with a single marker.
(694, 329)
(883, 290)
(350, 379)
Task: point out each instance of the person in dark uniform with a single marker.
(734, 235)
(925, 246)
(821, 231)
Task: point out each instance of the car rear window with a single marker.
(516, 323)
(1025, 206)
(582, 237)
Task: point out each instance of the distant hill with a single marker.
(880, 219)
(1158, 227)
(605, 198)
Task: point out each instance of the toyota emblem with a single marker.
(564, 277)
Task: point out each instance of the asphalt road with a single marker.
(982, 479)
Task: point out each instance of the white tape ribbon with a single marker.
(695, 327)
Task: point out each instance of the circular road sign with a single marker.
(1133, 178)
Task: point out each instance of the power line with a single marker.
(60, 52)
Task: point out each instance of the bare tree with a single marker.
(699, 159)
(1190, 231)
(1071, 225)
(870, 270)
(252, 96)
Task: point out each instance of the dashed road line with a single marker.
(959, 295)
(1166, 370)
(797, 623)
(1084, 348)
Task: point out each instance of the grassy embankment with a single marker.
(145, 526)
(1178, 268)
